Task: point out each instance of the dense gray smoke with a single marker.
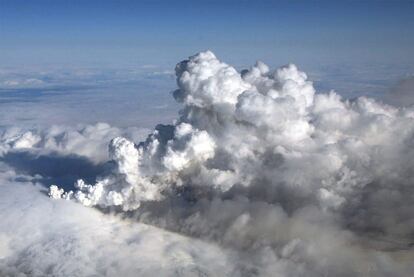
(284, 181)
(402, 94)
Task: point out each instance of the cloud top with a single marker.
(257, 162)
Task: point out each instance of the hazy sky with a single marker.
(164, 32)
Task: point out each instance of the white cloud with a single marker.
(39, 237)
(276, 179)
(90, 141)
(30, 82)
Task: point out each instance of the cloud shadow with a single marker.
(54, 168)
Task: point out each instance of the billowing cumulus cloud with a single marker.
(259, 171)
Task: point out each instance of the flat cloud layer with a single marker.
(259, 176)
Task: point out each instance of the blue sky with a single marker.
(163, 32)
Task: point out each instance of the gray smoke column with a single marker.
(295, 182)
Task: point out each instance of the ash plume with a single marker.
(292, 182)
